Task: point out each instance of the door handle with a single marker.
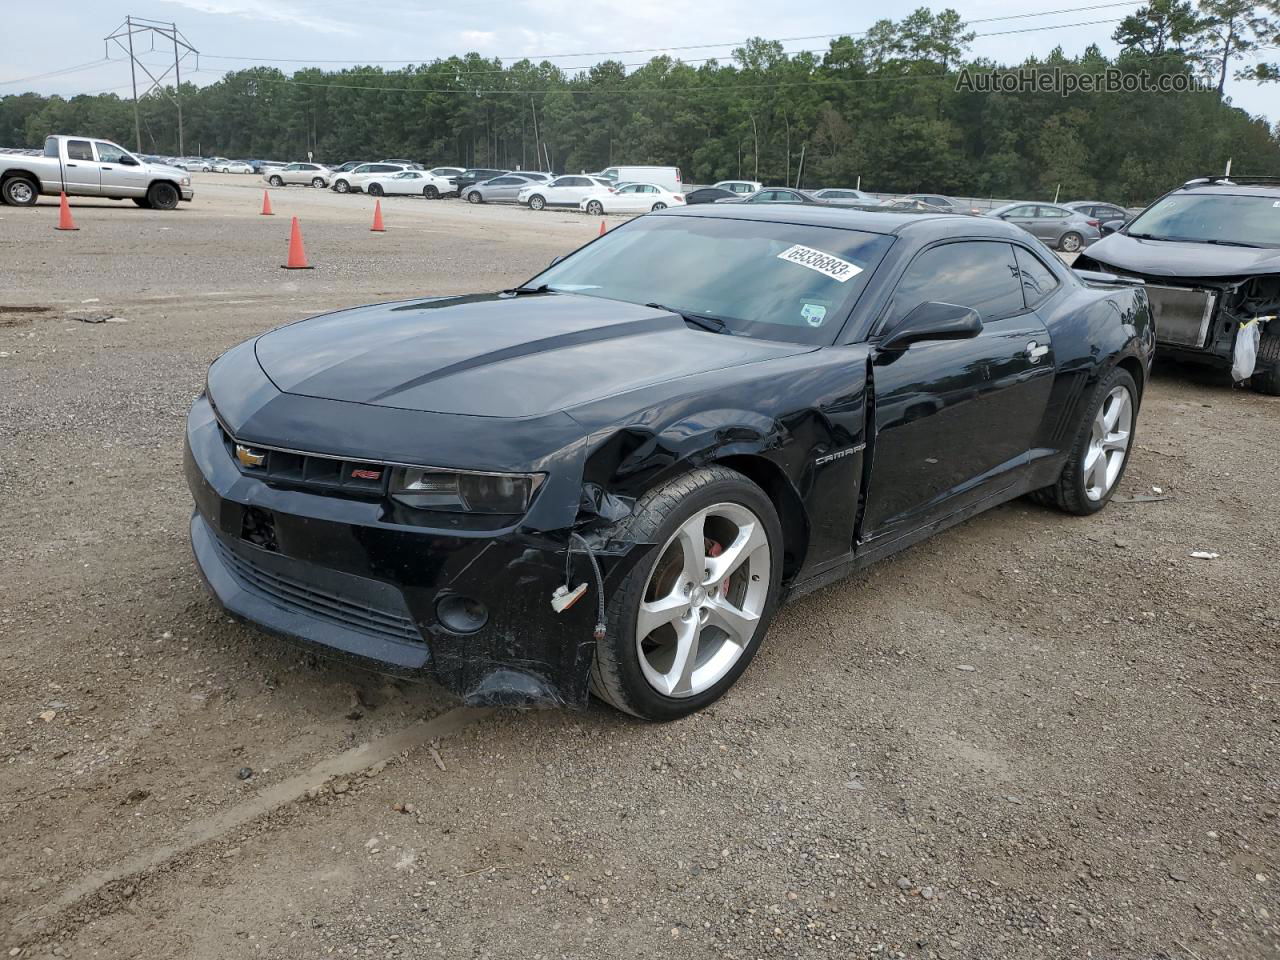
(70, 164)
(106, 168)
(1035, 351)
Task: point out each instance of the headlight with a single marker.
(427, 489)
(186, 181)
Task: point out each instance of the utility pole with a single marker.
(182, 48)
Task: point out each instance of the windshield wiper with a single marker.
(710, 324)
(540, 288)
(1235, 243)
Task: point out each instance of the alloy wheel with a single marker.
(21, 192)
(703, 600)
(1109, 443)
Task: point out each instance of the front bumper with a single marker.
(334, 572)
(187, 193)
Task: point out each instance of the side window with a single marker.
(1038, 281)
(1023, 211)
(108, 152)
(981, 274)
(79, 150)
(1052, 213)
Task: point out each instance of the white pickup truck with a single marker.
(85, 167)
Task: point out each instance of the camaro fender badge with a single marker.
(250, 457)
(846, 452)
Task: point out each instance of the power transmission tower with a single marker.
(123, 35)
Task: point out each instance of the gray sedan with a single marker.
(1059, 227)
(503, 189)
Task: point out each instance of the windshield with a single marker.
(1211, 218)
(775, 281)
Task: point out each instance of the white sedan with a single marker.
(408, 183)
(630, 198)
(233, 166)
(566, 191)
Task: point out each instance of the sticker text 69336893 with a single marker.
(824, 263)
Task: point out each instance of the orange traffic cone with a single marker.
(377, 218)
(266, 204)
(297, 256)
(64, 215)
(601, 228)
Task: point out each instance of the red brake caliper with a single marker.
(714, 550)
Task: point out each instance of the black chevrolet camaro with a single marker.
(607, 479)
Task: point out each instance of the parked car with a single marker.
(629, 198)
(235, 166)
(349, 166)
(774, 195)
(407, 164)
(887, 377)
(503, 189)
(416, 183)
(565, 191)
(1062, 229)
(354, 180)
(1209, 255)
(472, 176)
(845, 197)
(666, 177)
(446, 171)
(85, 167)
(305, 174)
(935, 201)
(195, 165)
(708, 195)
(1102, 212)
(740, 187)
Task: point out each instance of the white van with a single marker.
(668, 177)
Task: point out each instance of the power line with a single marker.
(55, 73)
(692, 46)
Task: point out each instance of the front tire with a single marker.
(375, 190)
(20, 191)
(1070, 242)
(1100, 453)
(318, 183)
(595, 208)
(275, 181)
(163, 196)
(1268, 353)
(474, 197)
(536, 202)
(342, 187)
(684, 623)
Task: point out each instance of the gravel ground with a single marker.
(1032, 736)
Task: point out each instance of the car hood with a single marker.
(1167, 258)
(496, 355)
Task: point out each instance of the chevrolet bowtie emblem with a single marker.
(250, 457)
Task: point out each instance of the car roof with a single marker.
(849, 218)
(1231, 188)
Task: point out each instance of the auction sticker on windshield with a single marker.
(824, 263)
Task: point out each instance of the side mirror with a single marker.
(934, 321)
(1111, 226)
(127, 161)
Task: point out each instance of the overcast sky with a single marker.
(229, 32)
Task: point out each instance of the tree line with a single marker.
(883, 108)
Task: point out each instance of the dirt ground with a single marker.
(1032, 736)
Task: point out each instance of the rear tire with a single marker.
(1070, 242)
(375, 190)
(536, 202)
(163, 196)
(658, 206)
(20, 191)
(595, 208)
(1075, 491)
(1268, 353)
(431, 193)
(627, 673)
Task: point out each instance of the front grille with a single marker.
(360, 478)
(383, 615)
